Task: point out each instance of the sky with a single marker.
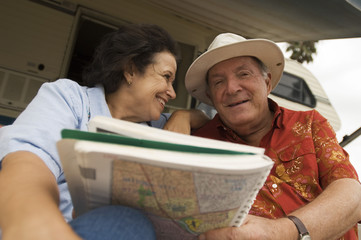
(337, 65)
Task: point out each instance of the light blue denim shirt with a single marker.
(58, 105)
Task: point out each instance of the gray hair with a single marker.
(264, 69)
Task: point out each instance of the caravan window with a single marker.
(295, 89)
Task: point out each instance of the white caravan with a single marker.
(43, 40)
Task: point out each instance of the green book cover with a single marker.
(124, 140)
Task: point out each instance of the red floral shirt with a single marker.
(306, 155)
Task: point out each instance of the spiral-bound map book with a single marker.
(185, 184)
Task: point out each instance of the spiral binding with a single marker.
(243, 211)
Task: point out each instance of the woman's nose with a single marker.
(170, 92)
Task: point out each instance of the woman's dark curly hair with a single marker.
(132, 44)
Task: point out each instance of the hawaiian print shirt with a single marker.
(306, 155)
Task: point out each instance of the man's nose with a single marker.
(233, 85)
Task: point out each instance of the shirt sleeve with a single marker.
(161, 121)
(57, 105)
(333, 160)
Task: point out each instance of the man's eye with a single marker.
(217, 82)
(243, 74)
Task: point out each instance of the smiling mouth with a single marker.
(162, 101)
(237, 103)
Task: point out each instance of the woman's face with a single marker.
(153, 89)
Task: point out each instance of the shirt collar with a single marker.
(97, 102)
(277, 119)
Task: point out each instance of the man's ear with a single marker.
(209, 96)
(269, 83)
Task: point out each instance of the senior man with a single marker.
(313, 190)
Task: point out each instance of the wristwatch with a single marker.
(304, 235)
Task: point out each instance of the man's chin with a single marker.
(234, 119)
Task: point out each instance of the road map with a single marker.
(175, 199)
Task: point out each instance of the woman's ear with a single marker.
(129, 73)
(128, 77)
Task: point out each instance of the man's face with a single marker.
(239, 91)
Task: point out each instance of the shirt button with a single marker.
(274, 185)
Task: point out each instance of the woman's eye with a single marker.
(167, 77)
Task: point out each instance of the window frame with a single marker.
(304, 90)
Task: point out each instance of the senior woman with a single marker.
(130, 78)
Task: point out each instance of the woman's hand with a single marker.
(29, 200)
(183, 121)
(32, 230)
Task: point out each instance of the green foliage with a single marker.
(302, 50)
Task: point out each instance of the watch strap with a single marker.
(302, 230)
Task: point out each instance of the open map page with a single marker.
(181, 204)
(187, 185)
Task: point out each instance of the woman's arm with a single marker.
(29, 200)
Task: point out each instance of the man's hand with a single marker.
(344, 215)
(255, 228)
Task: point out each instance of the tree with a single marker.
(302, 50)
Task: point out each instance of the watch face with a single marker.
(306, 237)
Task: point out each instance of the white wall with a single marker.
(31, 35)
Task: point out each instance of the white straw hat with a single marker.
(226, 46)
